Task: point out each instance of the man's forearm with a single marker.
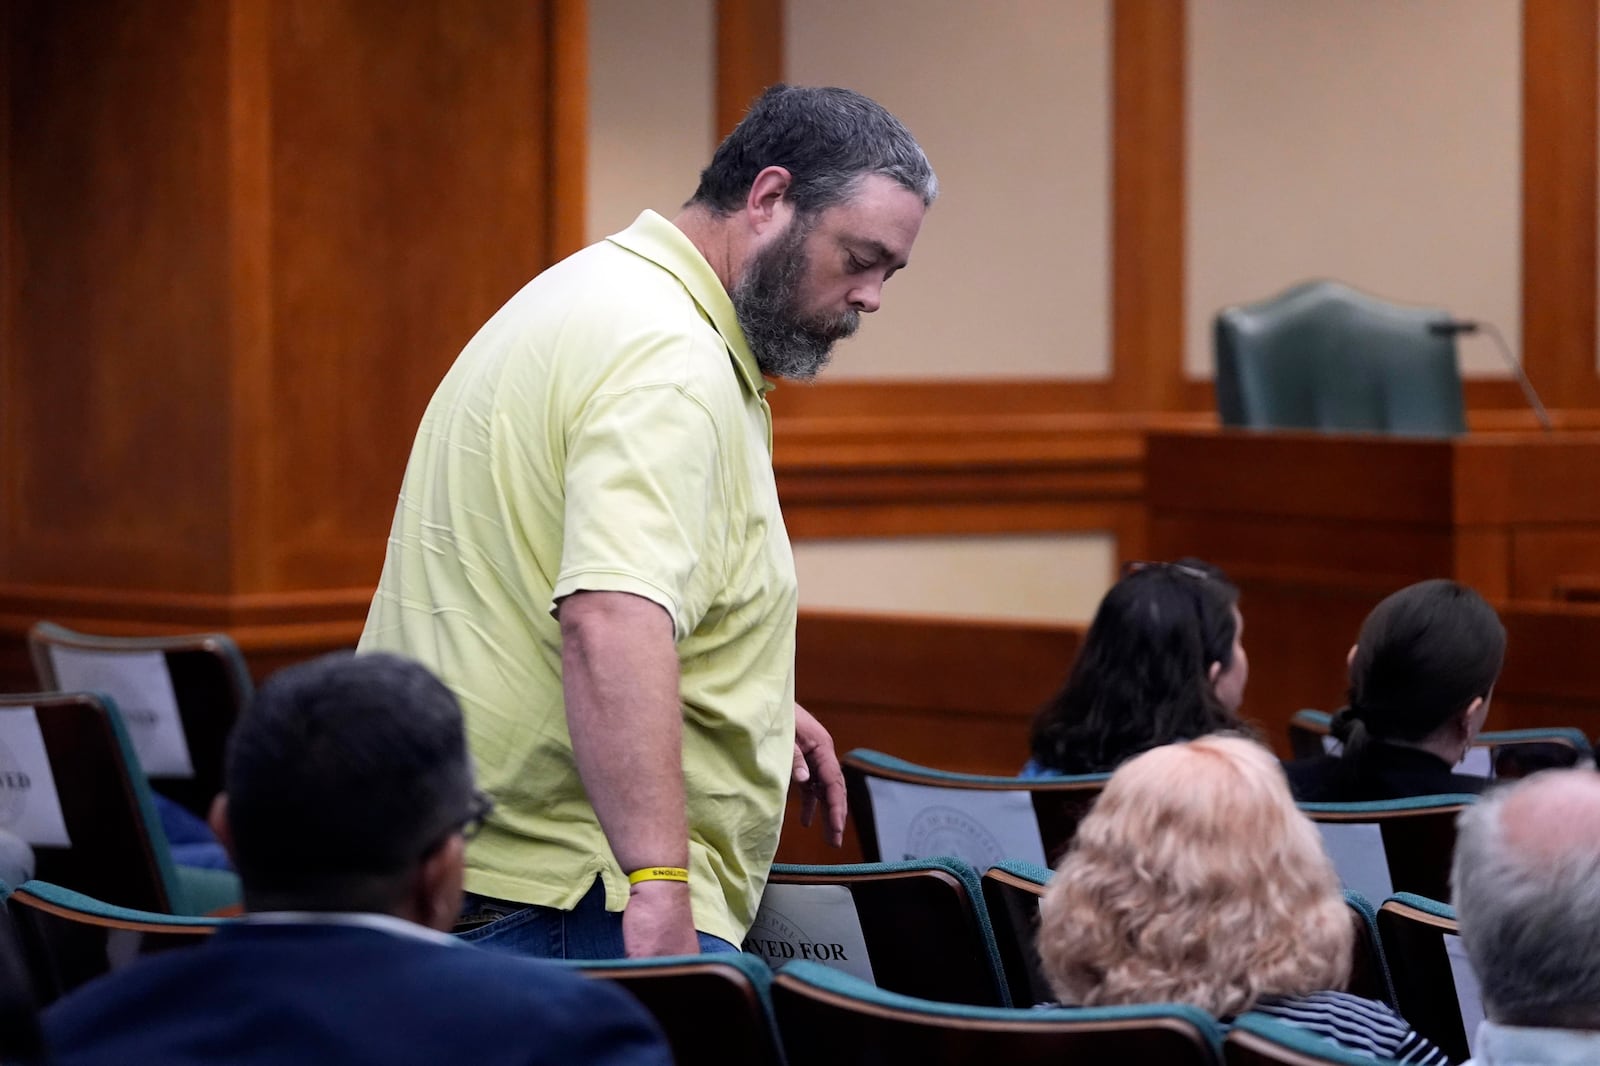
(620, 679)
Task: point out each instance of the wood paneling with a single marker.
(1559, 198)
(566, 92)
(749, 56)
(1149, 55)
(241, 244)
(115, 230)
(1316, 529)
(949, 692)
(960, 457)
(409, 174)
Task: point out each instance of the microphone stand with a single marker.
(1452, 327)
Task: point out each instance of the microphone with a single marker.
(1453, 327)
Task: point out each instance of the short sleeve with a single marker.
(645, 501)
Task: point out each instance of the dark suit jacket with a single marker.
(258, 994)
(1385, 772)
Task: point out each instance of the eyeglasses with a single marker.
(1135, 566)
(477, 814)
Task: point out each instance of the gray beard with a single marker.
(786, 343)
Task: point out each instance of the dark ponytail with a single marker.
(1424, 654)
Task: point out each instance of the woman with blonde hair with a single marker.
(1195, 880)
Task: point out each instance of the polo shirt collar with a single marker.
(655, 238)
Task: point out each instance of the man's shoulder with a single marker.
(302, 980)
(610, 286)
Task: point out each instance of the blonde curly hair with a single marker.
(1195, 880)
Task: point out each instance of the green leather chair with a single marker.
(1323, 356)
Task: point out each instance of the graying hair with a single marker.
(827, 138)
(1531, 925)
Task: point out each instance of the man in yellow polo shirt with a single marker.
(588, 546)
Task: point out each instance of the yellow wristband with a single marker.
(658, 873)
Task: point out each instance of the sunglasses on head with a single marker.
(1137, 565)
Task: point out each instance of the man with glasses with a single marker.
(349, 799)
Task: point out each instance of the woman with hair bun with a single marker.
(1421, 676)
(1195, 880)
(1163, 660)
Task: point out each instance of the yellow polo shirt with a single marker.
(605, 430)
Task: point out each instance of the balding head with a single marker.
(1527, 893)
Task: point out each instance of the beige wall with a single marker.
(1374, 142)
(1370, 140)
(1048, 578)
(651, 128)
(1010, 99)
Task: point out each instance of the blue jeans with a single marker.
(587, 931)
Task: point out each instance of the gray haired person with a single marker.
(1526, 882)
(589, 550)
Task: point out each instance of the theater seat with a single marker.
(906, 811)
(67, 938)
(208, 681)
(1497, 753)
(828, 1017)
(90, 817)
(917, 927)
(716, 1010)
(1434, 985)
(1388, 846)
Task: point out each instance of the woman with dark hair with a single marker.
(1421, 674)
(1162, 661)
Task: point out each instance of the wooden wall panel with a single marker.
(955, 693)
(241, 244)
(409, 180)
(749, 56)
(112, 463)
(1559, 199)
(1149, 54)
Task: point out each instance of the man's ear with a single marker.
(765, 205)
(436, 898)
(222, 827)
(1349, 660)
(1214, 672)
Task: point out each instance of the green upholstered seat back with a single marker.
(1324, 356)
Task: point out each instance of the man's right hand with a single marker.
(658, 920)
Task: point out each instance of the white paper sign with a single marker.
(30, 807)
(1468, 994)
(977, 826)
(142, 686)
(815, 922)
(1356, 849)
(1477, 762)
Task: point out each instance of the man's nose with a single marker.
(868, 297)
